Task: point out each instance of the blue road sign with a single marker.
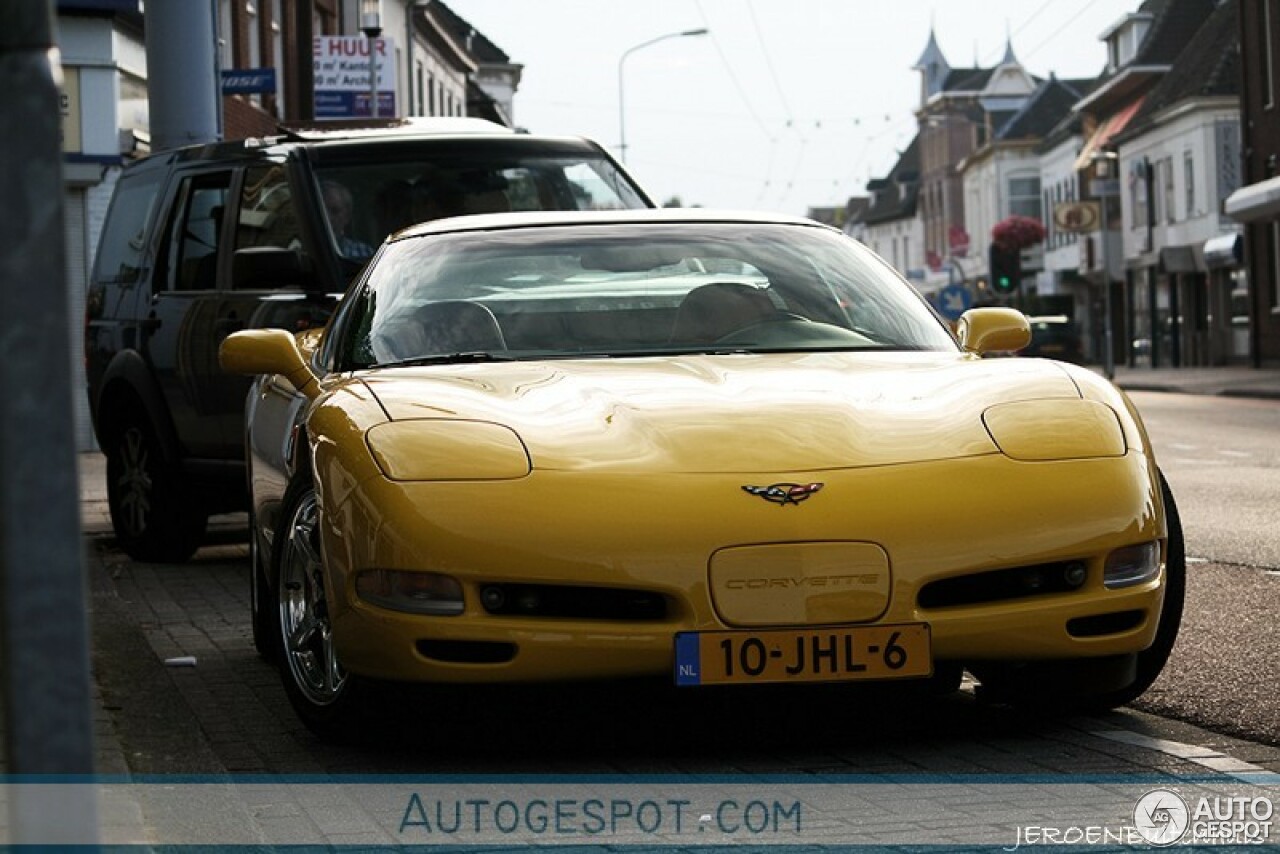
(954, 300)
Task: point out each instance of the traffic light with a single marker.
(1006, 269)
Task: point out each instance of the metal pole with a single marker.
(183, 90)
(44, 649)
(622, 112)
(1109, 354)
(373, 74)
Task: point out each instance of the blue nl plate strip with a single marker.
(688, 659)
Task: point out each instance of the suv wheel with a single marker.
(153, 519)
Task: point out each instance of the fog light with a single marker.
(1132, 565)
(1074, 574)
(493, 598)
(414, 592)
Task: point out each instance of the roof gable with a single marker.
(1208, 66)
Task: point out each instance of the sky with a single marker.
(784, 104)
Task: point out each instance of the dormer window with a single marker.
(1125, 38)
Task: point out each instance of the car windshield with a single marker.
(367, 201)
(630, 290)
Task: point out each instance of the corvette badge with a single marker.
(784, 493)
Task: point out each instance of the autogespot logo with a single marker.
(1161, 817)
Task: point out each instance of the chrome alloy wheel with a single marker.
(304, 613)
(133, 481)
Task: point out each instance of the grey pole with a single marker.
(44, 654)
(373, 73)
(622, 110)
(183, 90)
(1103, 165)
(1109, 357)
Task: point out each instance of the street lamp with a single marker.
(1104, 184)
(622, 113)
(371, 26)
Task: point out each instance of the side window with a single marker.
(197, 231)
(267, 216)
(591, 191)
(124, 236)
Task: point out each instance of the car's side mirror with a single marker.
(268, 268)
(993, 330)
(268, 351)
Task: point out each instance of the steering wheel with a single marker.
(748, 334)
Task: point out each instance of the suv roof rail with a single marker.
(364, 128)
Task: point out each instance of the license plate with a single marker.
(803, 655)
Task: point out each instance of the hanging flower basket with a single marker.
(1016, 233)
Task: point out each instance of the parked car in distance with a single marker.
(1054, 336)
(730, 449)
(203, 241)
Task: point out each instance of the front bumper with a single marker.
(658, 535)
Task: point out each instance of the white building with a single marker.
(1179, 159)
(104, 120)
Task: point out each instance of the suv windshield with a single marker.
(367, 201)
(630, 290)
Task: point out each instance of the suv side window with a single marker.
(267, 215)
(124, 237)
(197, 232)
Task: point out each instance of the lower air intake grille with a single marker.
(1020, 582)
(579, 603)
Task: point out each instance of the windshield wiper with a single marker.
(448, 359)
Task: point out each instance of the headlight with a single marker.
(448, 449)
(1132, 565)
(415, 592)
(1043, 430)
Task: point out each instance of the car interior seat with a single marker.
(436, 329)
(710, 312)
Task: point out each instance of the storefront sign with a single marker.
(342, 77)
(1077, 217)
(69, 105)
(248, 81)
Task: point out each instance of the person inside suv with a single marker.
(339, 205)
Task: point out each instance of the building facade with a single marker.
(1256, 205)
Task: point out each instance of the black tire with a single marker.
(1063, 687)
(154, 518)
(329, 700)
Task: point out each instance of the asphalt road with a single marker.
(1222, 459)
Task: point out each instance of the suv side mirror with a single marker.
(268, 268)
(992, 330)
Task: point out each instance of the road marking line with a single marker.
(1200, 755)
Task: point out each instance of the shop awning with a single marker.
(1109, 127)
(1225, 250)
(1179, 259)
(1254, 202)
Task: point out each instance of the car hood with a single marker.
(736, 413)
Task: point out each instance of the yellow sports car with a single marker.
(733, 449)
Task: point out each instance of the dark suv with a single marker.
(202, 241)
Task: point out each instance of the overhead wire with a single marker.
(791, 123)
(742, 93)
